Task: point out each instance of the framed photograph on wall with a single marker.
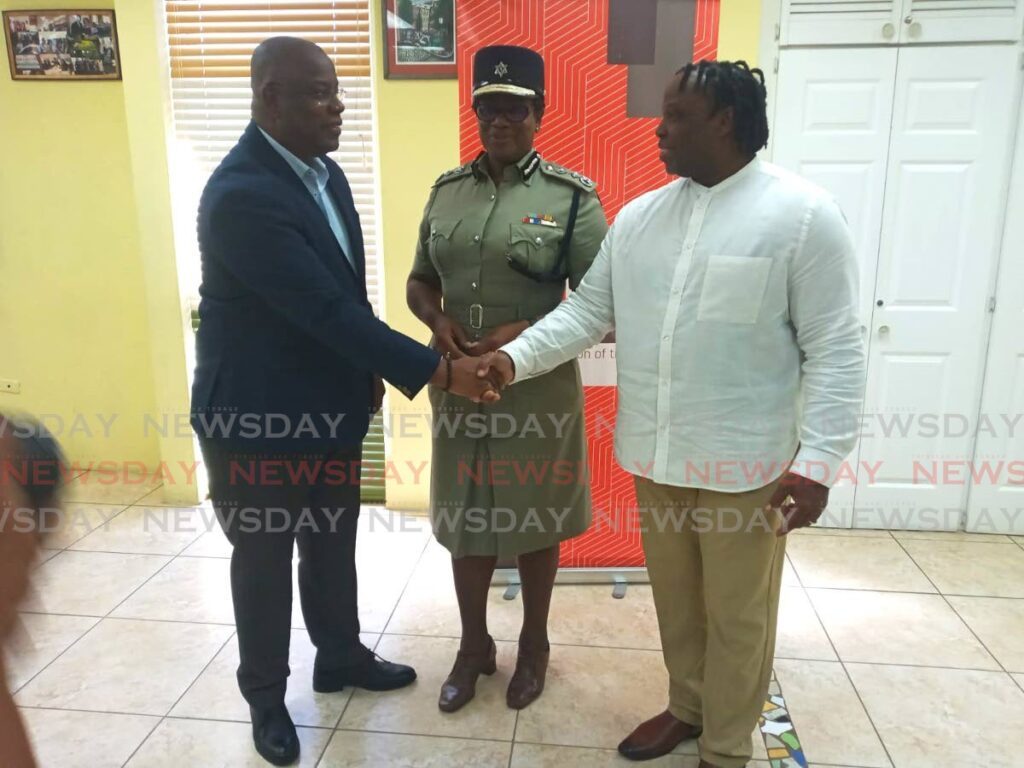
(419, 39)
(62, 45)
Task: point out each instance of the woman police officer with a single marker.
(499, 238)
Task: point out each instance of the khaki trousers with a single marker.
(715, 566)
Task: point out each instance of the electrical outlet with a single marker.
(10, 386)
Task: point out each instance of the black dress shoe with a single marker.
(273, 733)
(372, 674)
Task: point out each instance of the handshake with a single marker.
(479, 379)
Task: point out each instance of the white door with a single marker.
(944, 203)
(840, 22)
(960, 21)
(832, 119)
(996, 503)
(891, 22)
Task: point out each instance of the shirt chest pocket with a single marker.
(734, 289)
(443, 245)
(534, 247)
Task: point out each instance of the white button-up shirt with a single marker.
(738, 345)
(315, 178)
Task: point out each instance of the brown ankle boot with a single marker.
(528, 680)
(460, 687)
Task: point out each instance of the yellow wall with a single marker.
(418, 125)
(418, 139)
(80, 324)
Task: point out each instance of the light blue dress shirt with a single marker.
(315, 179)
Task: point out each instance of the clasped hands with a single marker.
(478, 371)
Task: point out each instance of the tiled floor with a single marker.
(894, 651)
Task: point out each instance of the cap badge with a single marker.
(502, 69)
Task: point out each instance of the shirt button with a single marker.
(539, 241)
(492, 197)
(476, 238)
(474, 286)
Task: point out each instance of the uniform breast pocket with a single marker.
(534, 247)
(734, 289)
(442, 244)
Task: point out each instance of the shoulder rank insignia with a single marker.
(453, 174)
(567, 176)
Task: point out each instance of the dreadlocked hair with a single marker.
(734, 84)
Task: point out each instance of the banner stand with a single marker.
(620, 578)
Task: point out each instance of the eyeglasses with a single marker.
(514, 113)
(323, 96)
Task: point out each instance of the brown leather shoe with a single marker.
(460, 687)
(657, 736)
(527, 681)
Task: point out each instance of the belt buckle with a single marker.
(476, 316)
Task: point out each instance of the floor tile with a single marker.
(359, 749)
(932, 717)
(413, 710)
(842, 562)
(110, 487)
(895, 628)
(38, 641)
(951, 536)
(133, 667)
(800, 634)
(429, 607)
(42, 555)
(212, 744)
(546, 756)
(594, 697)
(861, 533)
(383, 576)
(1020, 681)
(215, 694)
(999, 623)
(188, 589)
(962, 568)
(89, 583)
(832, 725)
(63, 739)
(210, 544)
(789, 577)
(148, 531)
(78, 520)
(587, 614)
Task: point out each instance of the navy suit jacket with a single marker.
(287, 342)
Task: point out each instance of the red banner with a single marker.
(587, 129)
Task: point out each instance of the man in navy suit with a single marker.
(289, 365)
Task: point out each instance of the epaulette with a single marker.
(453, 174)
(556, 171)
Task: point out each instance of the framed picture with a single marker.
(62, 45)
(419, 39)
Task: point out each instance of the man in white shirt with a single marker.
(733, 294)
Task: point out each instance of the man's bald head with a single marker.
(278, 58)
(295, 95)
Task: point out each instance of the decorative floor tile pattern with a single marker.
(780, 737)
